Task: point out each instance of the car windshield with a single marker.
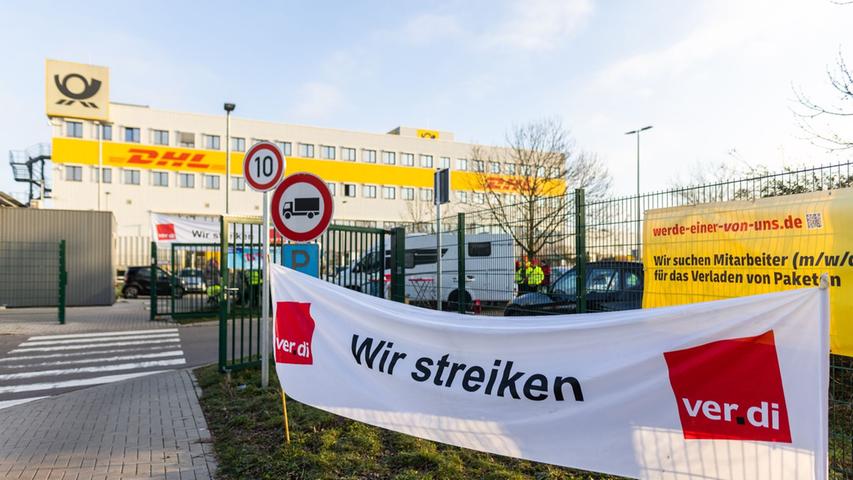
(597, 280)
(190, 272)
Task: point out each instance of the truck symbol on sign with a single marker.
(302, 206)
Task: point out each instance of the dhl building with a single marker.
(134, 160)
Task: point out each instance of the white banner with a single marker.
(734, 389)
(168, 229)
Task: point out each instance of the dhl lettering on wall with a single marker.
(153, 157)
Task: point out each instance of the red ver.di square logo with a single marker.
(294, 330)
(166, 231)
(731, 390)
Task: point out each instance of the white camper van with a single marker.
(489, 274)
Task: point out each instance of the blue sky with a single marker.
(714, 77)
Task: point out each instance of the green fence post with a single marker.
(153, 294)
(461, 304)
(63, 282)
(223, 293)
(580, 250)
(398, 264)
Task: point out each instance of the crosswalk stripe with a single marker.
(18, 401)
(102, 334)
(34, 387)
(172, 353)
(101, 339)
(99, 369)
(80, 347)
(77, 354)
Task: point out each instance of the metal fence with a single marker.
(33, 274)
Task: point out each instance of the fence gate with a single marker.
(352, 257)
(187, 274)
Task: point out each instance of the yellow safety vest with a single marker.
(536, 276)
(519, 275)
(255, 277)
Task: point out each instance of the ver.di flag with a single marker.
(733, 389)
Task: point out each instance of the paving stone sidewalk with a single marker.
(149, 427)
(123, 315)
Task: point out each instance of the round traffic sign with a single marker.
(263, 166)
(302, 207)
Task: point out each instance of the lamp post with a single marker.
(99, 129)
(229, 107)
(639, 231)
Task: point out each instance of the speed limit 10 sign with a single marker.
(263, 166)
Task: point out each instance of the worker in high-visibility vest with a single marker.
(256, 281)
(535, 276)
(520, 278)
(213, 293)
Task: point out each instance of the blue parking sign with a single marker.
(303, 258)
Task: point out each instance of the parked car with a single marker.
(610, 286)
(193, 279)
(137, 281)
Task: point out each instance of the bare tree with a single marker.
(527, 185)
(815, 118)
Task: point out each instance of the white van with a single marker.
(489, 274)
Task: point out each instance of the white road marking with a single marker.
(77, 354)
(172, 353)
(80, 347)
(76, 383)
(102, 334)
(101, 339)
(102, 368)
(12, 403)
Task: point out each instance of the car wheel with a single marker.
(179, 292)
(131, 292)
(453, 301)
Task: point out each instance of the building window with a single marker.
(238, 144)
(186, 180)
(211, 182)
(131, 134)
(389, 158)
(555, 172)
(286, 148)
(426, 194)
(494, 167)
(107, 175)
(444, 162)
(368, 191)
(131, 177)
(74, 129)
(462, 164)
(211, 142)
(407, 193)
(509, 168)
(389, 193)
(368, 156)
(106, 132)
(160, 179)
(407, 159)
(349, 190)
(161, 137)
(479, 166)
(306, 150)
(332, 188)
(186, 139)
(327, 152)
(462, 197)
(426, 161)
(73, 173)
(348, 154)
(238, 183)
(478, 198)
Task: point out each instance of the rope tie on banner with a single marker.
(824, 281)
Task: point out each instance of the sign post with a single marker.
(441, 195)
(263, 168)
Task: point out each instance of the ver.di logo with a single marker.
(731, 390)
(90, 88)
(294, 332)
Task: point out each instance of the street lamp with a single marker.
(639, 232)
(229, 107)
